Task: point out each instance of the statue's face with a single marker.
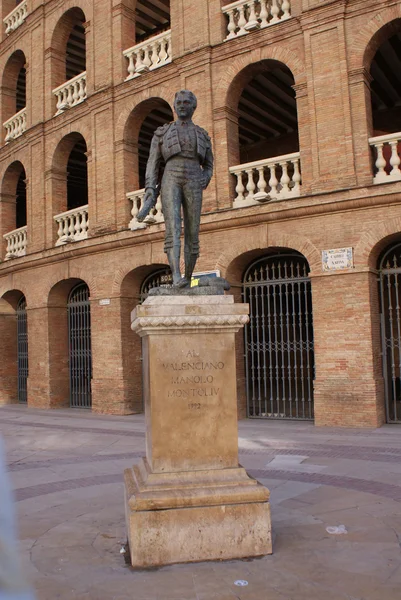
(184, 106)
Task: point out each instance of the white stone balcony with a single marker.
(387, 157)
(15, 126)
(277, 178)
(155, 215)
(247, 15)
(71, 93)
(16, 242)
(16, 17)
(73, 225)
(149, 55)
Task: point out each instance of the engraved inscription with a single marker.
(193, 379)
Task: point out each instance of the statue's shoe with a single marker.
(183, 283)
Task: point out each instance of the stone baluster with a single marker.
(164, 50)
(380, 163)
(296, 190)
(273, 181)
(231, 27)
(242, 21)
(240, 189)
(285, 179)
(154, 54)
(253, 22)
(275, 11)
(285, 7)
(84, 223)
(139, 66)
(395, 160)
(262, 185)
(146, 57)
(250, 186)
(131, 65)
(264, 13)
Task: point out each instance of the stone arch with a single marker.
(74, 16)
(374, 240)
(230, 75)
(369, 39)
(57, 324)
(136, 147)
(59, 173)
(164, 92)
(13, 203)
(8, 345)
(232, 261)
(15, 65)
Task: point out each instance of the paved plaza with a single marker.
(67, 469)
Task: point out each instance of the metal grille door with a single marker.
(22, 351)
(390, 296)
(79, 330)
(279, 356)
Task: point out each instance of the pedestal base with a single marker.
(194, 516)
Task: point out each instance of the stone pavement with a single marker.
(67, 471)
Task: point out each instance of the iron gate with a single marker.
(390, 297)
(22, 351)
(279, 357)
(80, 354)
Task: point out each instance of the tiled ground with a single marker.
(67, 471)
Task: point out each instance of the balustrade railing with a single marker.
(73, 225)
(247, 15)
(388, 157)
(16, 242)
(155, 215)
(148, 55)
(15, 126)
(70, 93)
(277, 178)
(16, 17)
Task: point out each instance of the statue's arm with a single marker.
(153, 164)
(208, 164)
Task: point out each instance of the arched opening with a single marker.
(70, 350)
(70, 189)
(389, 266)
(75, 63)
(14, 96)
(279, 355)
(152, 46)
(13, 348)
(69, 60)
(14, 210)
(265, 145)
(160, 278)
(151, 18)
(80, 349)
(386, 102)
(155, 118)
(77, 176)
(139, 130)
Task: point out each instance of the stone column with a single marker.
(189, 499)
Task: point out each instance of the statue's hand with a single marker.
(149, 201)
(204, 181)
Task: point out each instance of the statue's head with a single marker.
(185, 103)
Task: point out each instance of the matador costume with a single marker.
(186, 149)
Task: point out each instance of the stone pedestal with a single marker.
(189, 500)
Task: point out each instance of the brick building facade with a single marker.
(302, 100)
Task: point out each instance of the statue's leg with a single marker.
(171, 193)
(192, 205)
